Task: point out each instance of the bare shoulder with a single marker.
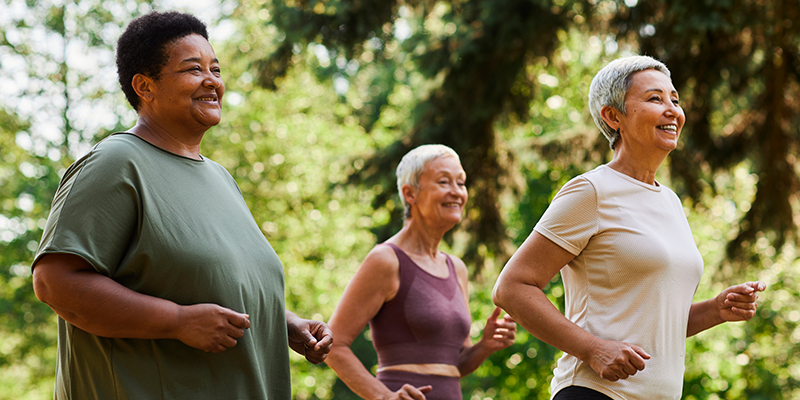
(381, 260)
(461, 268)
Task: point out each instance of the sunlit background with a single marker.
(301, 135)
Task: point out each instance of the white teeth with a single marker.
(671, 128)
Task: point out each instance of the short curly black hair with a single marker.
(142, 47)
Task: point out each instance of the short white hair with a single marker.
(610, 85)
(413, 163)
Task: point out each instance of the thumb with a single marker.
(425, 389)
(308, 339)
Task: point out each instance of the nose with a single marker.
(213, 81)
(458, 190)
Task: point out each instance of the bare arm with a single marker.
(736, 303)
(376, 282)
(498, 334)
(97, 304)
(519, 290)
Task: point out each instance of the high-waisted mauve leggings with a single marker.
(444, 387)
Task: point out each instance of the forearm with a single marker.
(103, 307)
(703, 315)
(353, 373)
(471, 357)
(531, 308)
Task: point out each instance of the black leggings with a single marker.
(579, 393)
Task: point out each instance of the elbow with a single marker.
(498, 293)
(40, 286)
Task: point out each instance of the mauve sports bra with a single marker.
(426, 322)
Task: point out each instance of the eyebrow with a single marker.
(659, 91)
(198, 59)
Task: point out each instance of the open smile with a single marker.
(671, 128)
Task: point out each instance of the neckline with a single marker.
(657, 187)
(447, 261)
(201, 160)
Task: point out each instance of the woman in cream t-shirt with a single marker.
(626, 254)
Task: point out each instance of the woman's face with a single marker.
(190, 88)
(653, 119)
(442, 192)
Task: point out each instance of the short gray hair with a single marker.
(610, 85)
(413, 163)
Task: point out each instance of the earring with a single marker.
(617, 131)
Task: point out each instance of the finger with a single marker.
(743, 298)
(509, 326)
(236, 333)
(228, 341)
(495, 313)
(745, 314)
(629, 368)
(745, 305)
(508, 318)
(238, 319)
(412, 392)
(314, 357)
(757, 286)
(308, 339)
(640, 351)
(325, 344)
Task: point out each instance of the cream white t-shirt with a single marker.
(635, 272)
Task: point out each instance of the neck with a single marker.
(175, 141)
(417, 237)
(640, 167)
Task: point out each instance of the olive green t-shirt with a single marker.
(175, 228)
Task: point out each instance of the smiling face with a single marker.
(188, 93)
(653, 119)
(442, 192)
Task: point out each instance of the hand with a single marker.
(210, 327)
(738, 303)
(409, 392)
(499, 334)
(616, 360)
(312, 339)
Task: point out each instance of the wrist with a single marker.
(586, 351)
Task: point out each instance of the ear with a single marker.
(612, 116)
(409, 194)
(143, 86)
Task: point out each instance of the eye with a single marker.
(654, 98)
(676, 102)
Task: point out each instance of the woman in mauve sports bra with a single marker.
(414, 296)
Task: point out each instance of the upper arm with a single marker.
(52, 274)
(376, 282)
(560, 235)
(536, 262)
(95, 211)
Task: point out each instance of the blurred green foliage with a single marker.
(316, 116)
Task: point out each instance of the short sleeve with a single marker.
(571, 219)
(94, 213)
